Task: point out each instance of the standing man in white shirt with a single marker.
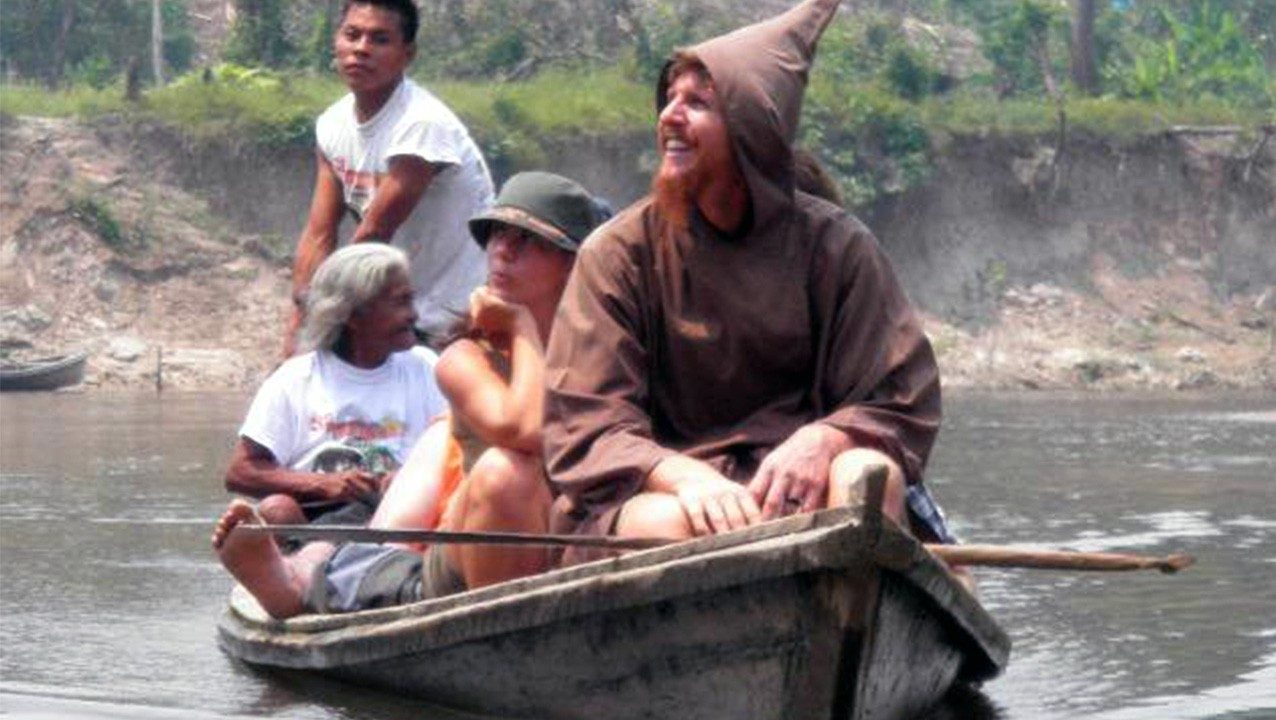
(401, 163)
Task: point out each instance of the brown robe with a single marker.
(720, 347)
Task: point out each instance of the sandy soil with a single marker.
(101, 254)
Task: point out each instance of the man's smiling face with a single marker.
(695, 147)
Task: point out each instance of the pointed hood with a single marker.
(760, 73)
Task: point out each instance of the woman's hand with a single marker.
(496, 319)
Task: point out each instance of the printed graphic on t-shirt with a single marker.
(360, 186)
(356, 444)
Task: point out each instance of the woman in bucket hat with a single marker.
(494, 375)
(482, 470)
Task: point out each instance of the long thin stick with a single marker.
(1006, 556)
(992, 555)
(379, 535)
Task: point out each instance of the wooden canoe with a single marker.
(44, 374)
(825, 615)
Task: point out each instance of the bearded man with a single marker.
(729, 349)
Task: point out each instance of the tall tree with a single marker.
(157, 41)
(61, 43)
(258, 35)
(1084, 73)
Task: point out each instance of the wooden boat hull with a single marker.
(806, 617)
(47, 374)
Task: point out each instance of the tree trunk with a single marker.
(58, 67)
(1084, 74)
(157, 41)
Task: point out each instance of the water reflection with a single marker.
(110, 594)
(1140, 475)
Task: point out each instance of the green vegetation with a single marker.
(90, 42)
(890, 83)
(99, 219)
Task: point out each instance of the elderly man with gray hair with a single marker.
(329, 428)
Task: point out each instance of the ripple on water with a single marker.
(1253, 692)
(1249, 521)
(37, 703)
(1174, 525)
(1267, 417)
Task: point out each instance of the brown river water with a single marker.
(109, 594)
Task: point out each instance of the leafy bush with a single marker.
(874, 48)
(102, 38)
(873, 142)
(910, 73)
(97, 72)
(1205, 53)
(259, 35)
(1015, 41)
(99, 219)
(663, 31)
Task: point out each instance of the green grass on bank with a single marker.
(873, 141)
(77, 102)
(555, 102)
(281, 108)
(1116, 118)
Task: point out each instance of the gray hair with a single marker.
(347, 280)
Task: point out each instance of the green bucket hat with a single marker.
(547, 205)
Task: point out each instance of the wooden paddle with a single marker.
(1009, 556)
(991, 555)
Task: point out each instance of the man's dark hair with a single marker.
(409, 19)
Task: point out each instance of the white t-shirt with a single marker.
(316, 403)
(446, 262)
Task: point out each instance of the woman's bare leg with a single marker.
(411, 501)
(505, 491)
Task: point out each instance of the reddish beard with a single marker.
(674, 195)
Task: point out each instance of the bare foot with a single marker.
(255, 561)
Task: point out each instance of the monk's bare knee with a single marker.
(848, 478)
(654, 515)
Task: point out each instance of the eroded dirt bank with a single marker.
(1136, 265)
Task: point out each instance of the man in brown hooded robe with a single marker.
(730, 349)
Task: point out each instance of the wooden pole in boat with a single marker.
(987, 555)
(874, 478)
(355, 533)
(1007, 556)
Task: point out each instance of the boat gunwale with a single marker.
(826, 540)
